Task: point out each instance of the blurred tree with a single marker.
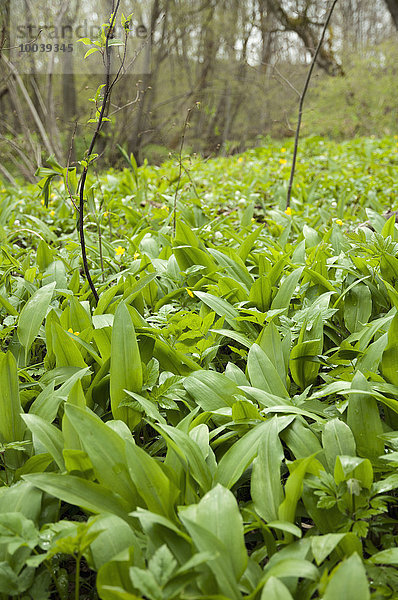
(392, 6)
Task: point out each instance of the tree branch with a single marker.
(301, 103)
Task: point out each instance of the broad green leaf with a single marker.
(221, 307)
(302, 367)
(348, 467)
(106, 450)
(294, 488)
(189, 454)
(115, 536)
(261, 293)
(323, 545)
(293, 568)
(348, 581)
(65, 349)
(219, 514)
(11, 425)
(263, 374)
(270, 342)
(155, 488)
(389, 361)
(215, 525)
(211, 390)
(33, 314)
(48, 436)
(286, 290)
(357, 307)
(79, 492)
(126, 368)
(76, 398)
(301, 440)
(266, 486)
(385, 557)
(337, 440)
(248, 243)
(241, 454)
(274, 589)
(364, 420)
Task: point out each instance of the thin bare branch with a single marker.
(301, 103)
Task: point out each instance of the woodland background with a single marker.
(242, 60)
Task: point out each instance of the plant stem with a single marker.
(180, 171)
(301, 103)
(77, 577)
(107, 89)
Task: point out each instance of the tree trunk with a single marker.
(392, 6)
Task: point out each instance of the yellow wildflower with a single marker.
(136, 255)
(189, 292)
(120, 251)
(253, 220)
(3, 190)
(42, 202)
(70, 330)
(339, 222)
(164, 207)
(288, 211)
(283, 149)
(395, 137)
(240, 159)
(106, 214)
(282, 161)
(52, 213)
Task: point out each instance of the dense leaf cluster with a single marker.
(223, 424)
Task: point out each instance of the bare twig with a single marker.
(301, 103)
(107, 90)
(284, 79)
(186, 123)
(28, 42)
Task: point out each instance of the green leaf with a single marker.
(106, 450)
(266, 486)
(220, 306)
(323, 545)
(357, 307)
(79, 492)
(91, 51)
(291, 567)
(263, 374)
(189, 454)
(337, 440)
(286, 290)
(215, 524)
(241, 454)
(389, 361)
(153, 485)
(385, 557)
(364, 420)
(11, 424)
(65, 349)
(211, 390)
(126, 368)
(114, 537)
(274, 589)
(348, 581)
(48, 436)
(33, 314)
(294, 488)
